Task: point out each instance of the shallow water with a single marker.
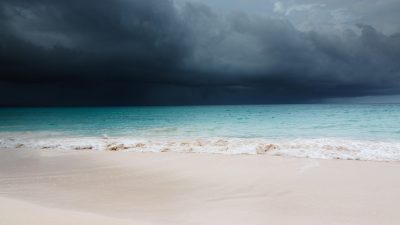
(299, 130)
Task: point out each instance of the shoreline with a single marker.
(316, 148)
(174, 188)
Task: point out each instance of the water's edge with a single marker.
(319, 148)
(363, 132)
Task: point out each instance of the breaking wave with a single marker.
(322, 148)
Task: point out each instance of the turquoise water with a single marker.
(363, 121)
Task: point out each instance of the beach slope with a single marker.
(98, 187)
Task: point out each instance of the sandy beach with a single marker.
(41, 187)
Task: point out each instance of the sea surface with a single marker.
(359, 132)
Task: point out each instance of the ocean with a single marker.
(359, 131)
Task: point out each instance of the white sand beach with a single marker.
(43, 187)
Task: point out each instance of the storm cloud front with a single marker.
(164, 52)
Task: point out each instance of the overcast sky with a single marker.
(162, 52)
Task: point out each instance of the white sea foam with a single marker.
(321, 148)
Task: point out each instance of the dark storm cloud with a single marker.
(86, 39)
(124, 52)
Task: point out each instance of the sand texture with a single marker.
(43, 187)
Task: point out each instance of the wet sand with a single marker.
(43, 187)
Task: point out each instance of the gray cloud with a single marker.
(154, 52)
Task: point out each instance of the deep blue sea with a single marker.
(281, 125)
